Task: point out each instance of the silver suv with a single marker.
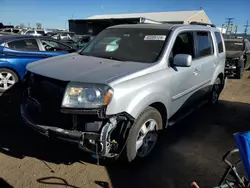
(114, 96)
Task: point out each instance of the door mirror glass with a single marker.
(183, 60)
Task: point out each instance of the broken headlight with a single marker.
(79, 95)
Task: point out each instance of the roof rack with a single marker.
(200, 23)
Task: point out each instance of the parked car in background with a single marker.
(22, 31)
(77, 41)
(34, 32)
(16, 51)
(10, 30)
(237, 56)
(130, 82)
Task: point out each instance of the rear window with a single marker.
(24, 45)
(30, 32)
(204, 44)
(40, 32)
(219, 41)
(234, 45)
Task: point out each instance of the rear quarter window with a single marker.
(219, 42)
(24, 45)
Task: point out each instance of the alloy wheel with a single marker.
(147, 137)
(7, 80)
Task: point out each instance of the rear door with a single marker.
(21, 52)
(206, 58)
(54, 48)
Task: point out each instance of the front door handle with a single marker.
(196, 71)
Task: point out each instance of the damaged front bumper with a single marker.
(109, 141)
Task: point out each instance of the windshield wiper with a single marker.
(110, 57)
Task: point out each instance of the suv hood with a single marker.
(233, 54)
(80, 68)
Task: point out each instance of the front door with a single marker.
(186, 80)
(22, 52)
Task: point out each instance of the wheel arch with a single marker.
(12, 69)
(163, 111)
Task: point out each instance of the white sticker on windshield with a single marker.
(155, 37)
(240, 44)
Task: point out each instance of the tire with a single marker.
(148, 116)
(215, 93)
(8, 79)
(240, 70)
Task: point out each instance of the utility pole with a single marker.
(229, 21)
(246, 26)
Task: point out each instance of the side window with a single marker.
(24, 45)
(184, 44)
(204, 44)
(219, 41)
(53, 46)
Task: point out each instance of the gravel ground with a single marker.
(190, 150)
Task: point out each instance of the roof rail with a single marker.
(200, 23)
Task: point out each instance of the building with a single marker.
(95, 24)
(177, 17)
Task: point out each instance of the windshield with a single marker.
(128, 44)
(234, 45)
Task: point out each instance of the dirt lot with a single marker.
(190, 150)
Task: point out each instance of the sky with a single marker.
(55, 13)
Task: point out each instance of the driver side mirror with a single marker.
(182, 60)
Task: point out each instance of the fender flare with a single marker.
(141, 101)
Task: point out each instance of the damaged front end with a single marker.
(231, 66)
(91, 129)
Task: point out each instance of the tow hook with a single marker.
(105, 139)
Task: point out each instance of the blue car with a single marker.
(17, 51)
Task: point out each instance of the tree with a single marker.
(38, 25)
(22, 25)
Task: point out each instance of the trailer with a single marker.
(95, 26)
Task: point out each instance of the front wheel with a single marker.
(144, 134)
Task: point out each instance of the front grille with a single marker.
(48, 93)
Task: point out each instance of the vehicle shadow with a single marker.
(189, 151)
(18, 140)
(4, 184)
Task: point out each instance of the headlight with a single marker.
(78, 95)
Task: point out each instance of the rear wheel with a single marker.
(8, 79)
(215, 94)
(144, 134)
(240, 69)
